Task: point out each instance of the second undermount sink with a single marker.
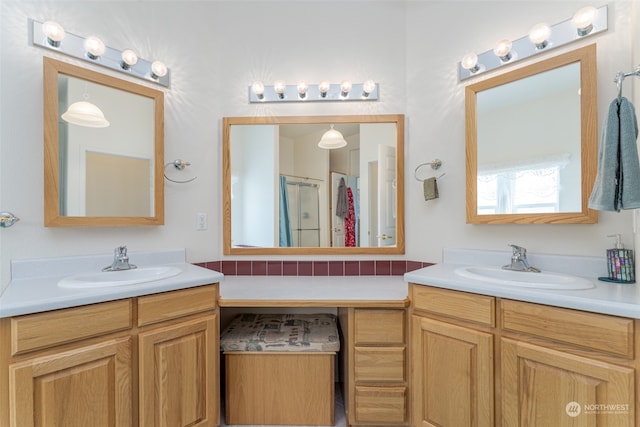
(524, 279)
(119, 278)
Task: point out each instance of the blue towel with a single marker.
(617, 183)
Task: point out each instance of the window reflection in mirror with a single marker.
(287, 195)
(531, 143)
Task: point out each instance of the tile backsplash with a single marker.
(313, 268)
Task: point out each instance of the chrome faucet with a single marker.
(519, 260)
(120, 260)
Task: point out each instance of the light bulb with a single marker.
(539, 35)
(258, 89)
(583, 20)
(302, 90)
(158, 69)
(367, 87)
(324, 87)
(345, 87)
(129, 59)
(279, 87)
(503, 50)
(470, 62)
(94, 47)
(54, 32)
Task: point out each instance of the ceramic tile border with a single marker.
(313, 268)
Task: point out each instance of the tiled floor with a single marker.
(339, 411)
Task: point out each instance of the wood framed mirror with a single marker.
(102, 176)
(531, 143)
(283, 194)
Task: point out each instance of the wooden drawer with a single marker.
(384, 326)
(381, 405)
(379, 364)
(170, 305)
(461, 305)
(608, 334)
(50, 328)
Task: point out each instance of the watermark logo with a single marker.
(573, 409)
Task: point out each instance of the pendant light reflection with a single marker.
(332, 139)
(83, 113)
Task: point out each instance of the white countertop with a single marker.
(33, 287)
(312, 290)
(607, 298)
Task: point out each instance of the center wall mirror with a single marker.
(104, 168)
(531, 143)
(283, 194)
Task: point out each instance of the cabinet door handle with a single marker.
(385, 237)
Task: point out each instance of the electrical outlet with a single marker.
(201, 221)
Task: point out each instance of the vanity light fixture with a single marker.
(51, 35)
(539, 35)
(54, 32)
(304, 92)
(583, 20)
(94, 47)
(332, 139)
(587, 21)
(503, 50)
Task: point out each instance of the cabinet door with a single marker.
(179, 374)
(452, 375)
(546, 387)
(87, 386)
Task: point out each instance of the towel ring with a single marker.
(435, 165)
(180, 165)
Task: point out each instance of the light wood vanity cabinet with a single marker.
(545, 365)
(148, 361)
(452, 354)
(375, 366)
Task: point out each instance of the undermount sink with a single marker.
(119, 277)
(524, 279)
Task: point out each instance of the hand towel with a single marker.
(617, 184)
(341, 203)
(430, 188)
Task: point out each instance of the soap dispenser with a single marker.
(620, 263)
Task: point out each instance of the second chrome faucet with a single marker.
(120, 260)
(519, 260)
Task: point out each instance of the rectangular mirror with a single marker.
(101, 173)
(283, 194)
(531, 138)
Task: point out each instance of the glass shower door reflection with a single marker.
(304, 213)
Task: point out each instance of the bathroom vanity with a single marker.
(143, 355)
(436, 348)
(372, 312)
(506, 355)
